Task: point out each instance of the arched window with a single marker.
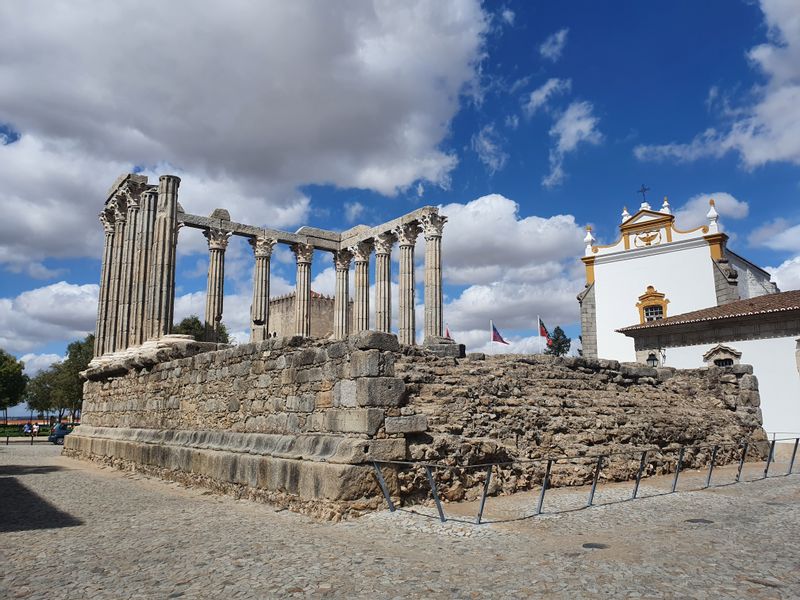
(652, 305)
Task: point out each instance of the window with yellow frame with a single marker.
(652, 305)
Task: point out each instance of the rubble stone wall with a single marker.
(298, 421)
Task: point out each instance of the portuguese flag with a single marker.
(544, 333)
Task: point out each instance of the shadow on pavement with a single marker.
(23, 510)
(14, 470)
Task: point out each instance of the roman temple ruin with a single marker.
(302, 421)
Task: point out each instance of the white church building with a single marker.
(668, 297)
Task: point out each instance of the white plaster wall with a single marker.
(685, 275)
(751, 282)
(774, 364)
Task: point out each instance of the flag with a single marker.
(447, 332)
(496, 337)
(544, 333)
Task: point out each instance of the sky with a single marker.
(523, 121)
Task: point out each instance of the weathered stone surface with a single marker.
(407, 424)
(367, 340)
(295, 400)
(371, 363)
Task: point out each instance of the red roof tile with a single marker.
(769, 303)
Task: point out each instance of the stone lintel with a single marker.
(358, 234)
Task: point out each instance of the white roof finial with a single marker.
(625, 214)
(665, 207)
(589, 240)
(645, 206)
(713, 217)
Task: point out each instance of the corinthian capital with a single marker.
(303, 252)
(107, 219)
(384, 243)
(407, 234)
(361, 251)
(262, 246)
(342, 259)
(432, 225)
(217, 238)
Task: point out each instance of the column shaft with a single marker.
(361, 254)
(161, 279)
(302, 297)
(407, 236)
(259, 311)
(383, 282)
(112, 321)
(432, 226)
(106, 218)
(215, 289)
(141, 266)
(341, 300)
(126, 275)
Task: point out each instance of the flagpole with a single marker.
(539, 333)
(491, 338)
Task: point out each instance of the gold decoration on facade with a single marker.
(652, 299)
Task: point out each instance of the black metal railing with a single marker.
(741, 448)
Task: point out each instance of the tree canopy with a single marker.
(12, 381)
(559, 343)
(193, 326)
(60, 387)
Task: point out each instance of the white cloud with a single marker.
(512, 121)
(787, 274)
(779, 234)
(36, 363)
(58, 312)
(540, 96)
(353, 210)
(693, 213)
(508, 16)
(486, 240)
(358, 94)
(488, 145)
(553, 46)
(766, 129)
(576, 125)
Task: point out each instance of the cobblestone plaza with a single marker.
(92, 532)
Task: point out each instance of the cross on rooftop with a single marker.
(643, 191)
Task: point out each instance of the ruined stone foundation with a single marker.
(298, 422)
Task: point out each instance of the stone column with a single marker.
(302, 296)
(406, 238)
(120, 215)
(361, 253)
(161, 279)
(383, 282)
(126, 275)
(341, 301)
(141, 265)
(107, 219)
(215, 290)
(432, 225)
(259, 311)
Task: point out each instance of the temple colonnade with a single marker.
(137, 286)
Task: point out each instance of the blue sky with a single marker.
(524, 121)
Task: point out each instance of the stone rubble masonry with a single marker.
(299, 420)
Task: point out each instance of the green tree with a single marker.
(67, 382)
(12, 381)
(559, 343)
(193, 326)
(41, 391)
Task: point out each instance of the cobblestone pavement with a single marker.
(90, 532)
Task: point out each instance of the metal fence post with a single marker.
(384, 487)
(769, 458)
(678, 469)
(639, 475)
(794, 453)
(711, 466)
(741, 461)
(545, 483)
(485, 491)
(594, 481)
(435, 494)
